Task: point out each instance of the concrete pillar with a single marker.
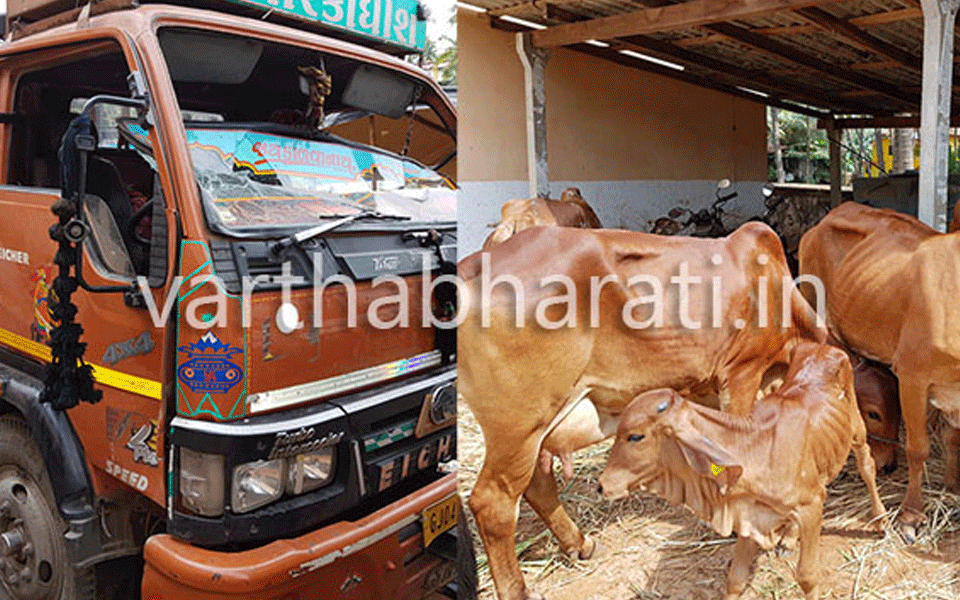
(939, 17)
(833, 138)
(534, 62)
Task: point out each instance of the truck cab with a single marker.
(266, 226)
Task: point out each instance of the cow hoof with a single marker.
(588, 548)
(910, 519)
(909, 533)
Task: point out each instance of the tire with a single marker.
(28, 511)
(467, 580)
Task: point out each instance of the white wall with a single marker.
(619, 204)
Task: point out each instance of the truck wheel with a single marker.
(467, 579)
(34, 564)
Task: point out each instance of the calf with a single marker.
(879, 403)
(763, 476)
(571, 210)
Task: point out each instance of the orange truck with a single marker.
(259, 195)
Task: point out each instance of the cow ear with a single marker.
(707, 459)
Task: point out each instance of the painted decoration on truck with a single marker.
(209, 365)
(266, 154)
(392, 21)
(212, 373)
(135, 432)
(141, 345)
(43, 298)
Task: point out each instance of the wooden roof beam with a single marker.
(510, 8)
(892, 16)
(700, 41)
(874, 66)
(784, 88)
(902, 14)
(760, 81)
(787, 30)
(642, 65)
(692, 13)
(687, 77)
(882, 122)
(854, 34)
(841, 73)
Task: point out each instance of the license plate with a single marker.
(440, 517)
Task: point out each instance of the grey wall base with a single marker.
(900, 192)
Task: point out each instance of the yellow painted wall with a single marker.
(888, 158)
(605, 122)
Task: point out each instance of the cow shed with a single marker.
(850, 64)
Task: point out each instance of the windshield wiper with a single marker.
(307, 234)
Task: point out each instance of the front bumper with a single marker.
(378, 557)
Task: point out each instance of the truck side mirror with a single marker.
(79, 142)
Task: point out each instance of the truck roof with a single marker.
(29, 17)
(147, 18)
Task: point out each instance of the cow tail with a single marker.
(805, 318)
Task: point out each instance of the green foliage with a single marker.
(793, 131)
(953, 158)
(440, 54)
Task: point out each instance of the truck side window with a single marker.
(46, 101)
(43, 103)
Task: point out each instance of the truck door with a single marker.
(128, 216)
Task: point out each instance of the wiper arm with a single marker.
(308, 234)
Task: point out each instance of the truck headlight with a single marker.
(257, 483)
(306, 472)
(201, 482)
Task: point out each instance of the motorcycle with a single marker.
(789, 221)
(706, 222)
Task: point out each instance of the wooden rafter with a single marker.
(511, 8)
(614, 56)
(692, 13)
(875, 66)
(843, 74)
(769, 83)
(883, 122)
(783, 87)
(786, 30)
(700, 41)
(903, 14)
(859, 91)
(854, 34)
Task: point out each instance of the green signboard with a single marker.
(392, 21)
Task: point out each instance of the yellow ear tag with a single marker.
(716, 469)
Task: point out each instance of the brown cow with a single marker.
(563, 388)
(891, 288)
(879, 404)
(571, 210)
(763, 476)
